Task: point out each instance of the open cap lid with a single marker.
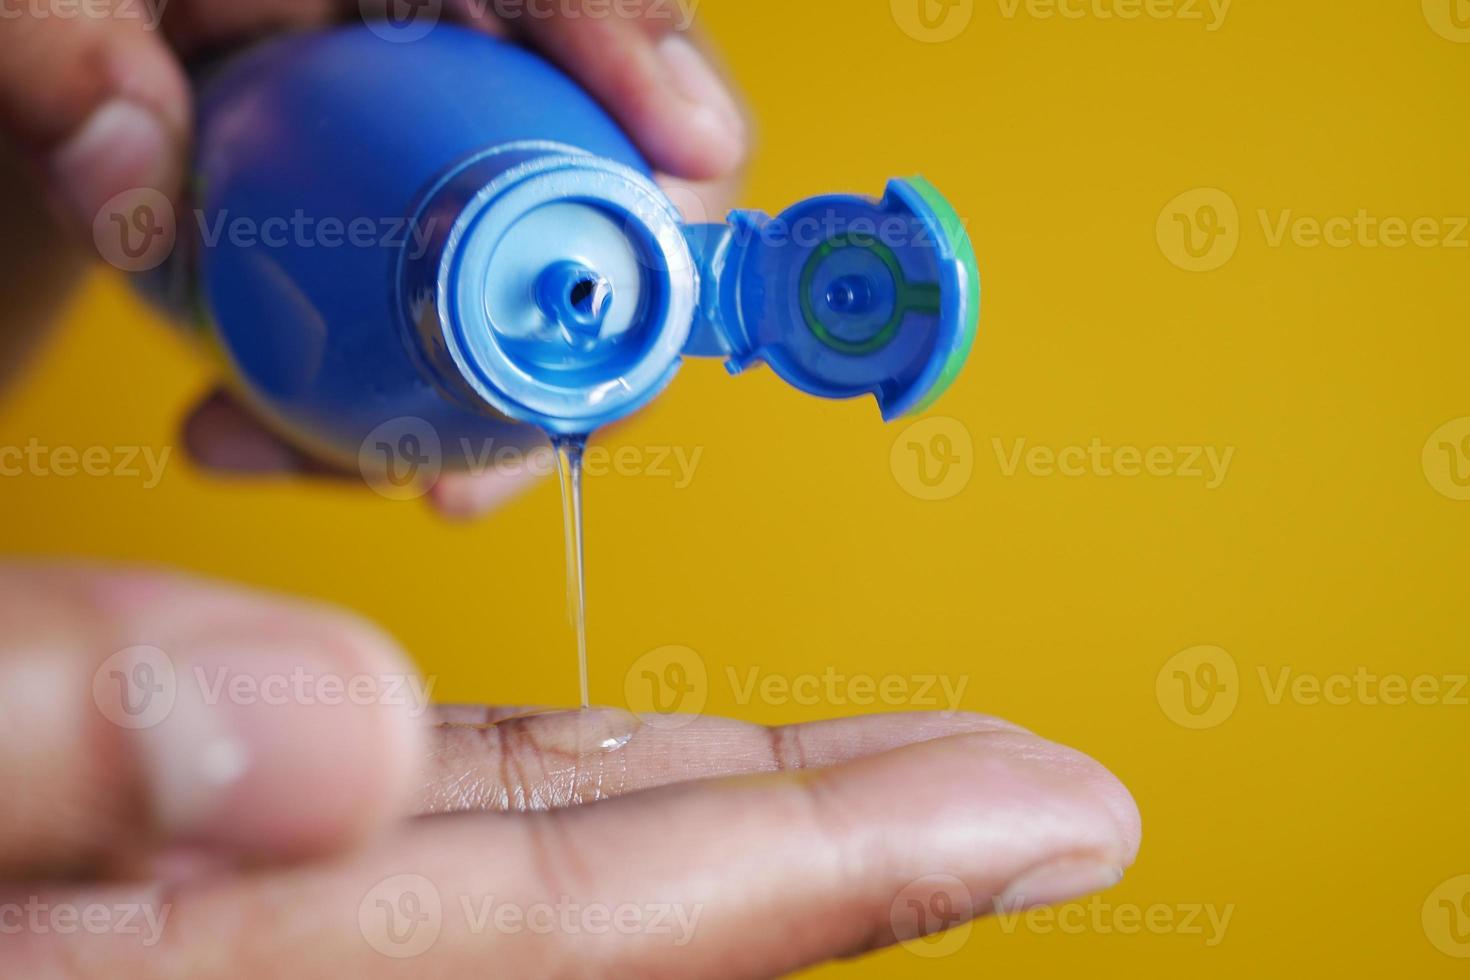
(846, 296)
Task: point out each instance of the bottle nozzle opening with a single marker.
(850, 294)
(563, 292)
(575, 298)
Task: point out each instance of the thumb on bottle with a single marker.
(648, 67)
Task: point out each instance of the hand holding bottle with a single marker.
(98, 103)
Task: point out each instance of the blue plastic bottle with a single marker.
(451, 230)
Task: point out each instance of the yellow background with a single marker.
(1058, 600)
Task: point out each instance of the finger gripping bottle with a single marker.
(451, 230)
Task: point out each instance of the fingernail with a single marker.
(1059, 881)
(220, 434)
(195, 757)
(713, 116)
(465, 496)
(276, 750)
(120, 147)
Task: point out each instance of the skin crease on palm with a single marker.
(264, 832)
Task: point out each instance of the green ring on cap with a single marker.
(958, 240)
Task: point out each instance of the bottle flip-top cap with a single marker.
(561, 289)
(845, 296)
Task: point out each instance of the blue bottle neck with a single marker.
(558, 288)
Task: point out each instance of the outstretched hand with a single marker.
(224, 783)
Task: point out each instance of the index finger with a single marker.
(748, 876)
(145, 714)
